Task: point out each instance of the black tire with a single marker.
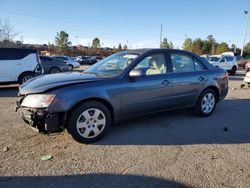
(199, 109)
(78, 117)
(233, 70)
(25, 77)
(54, 70)
(70, 67)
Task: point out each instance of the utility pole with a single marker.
(245, 33)
(235, 48)
(161, 35)
(76, 40)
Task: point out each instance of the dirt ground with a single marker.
(172, 149)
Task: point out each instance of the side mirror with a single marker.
(136, 73)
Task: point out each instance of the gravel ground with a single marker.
(172, 149)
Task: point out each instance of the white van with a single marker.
(18, 65)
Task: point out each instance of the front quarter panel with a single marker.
(67, 97)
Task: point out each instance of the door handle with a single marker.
(201, 78)
(165, 82)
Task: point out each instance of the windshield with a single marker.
(113, 65)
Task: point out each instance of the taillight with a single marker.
(226, 76)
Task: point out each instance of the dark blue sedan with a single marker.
(121, 86)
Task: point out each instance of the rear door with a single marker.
(189, 78)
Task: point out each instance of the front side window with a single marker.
(229, 58)
(222, 60)
(153, 64)
(113, 65)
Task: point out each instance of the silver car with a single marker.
(51, 65)
(71, 62)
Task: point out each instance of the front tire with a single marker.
(25, 77)
(70, 67)
(206, 103)
(89, 122)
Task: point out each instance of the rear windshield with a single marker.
(214, 59)
(14, 54)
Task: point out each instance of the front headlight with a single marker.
(38, 100)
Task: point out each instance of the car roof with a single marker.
(215, 56)
(144, 50)
(18, 49)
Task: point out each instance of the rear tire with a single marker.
(206, 103)
(70, 67)
(25, 77)
(89, 122)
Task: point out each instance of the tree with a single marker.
(211, 44)
(247, 49)
(96, 43)
(221, 47)
(198, 45)
(188, 44)
(119, 47)
(7, 33)
(62, 40)
(171, 45)
(125, 47)
(50, 46)
(166, 44)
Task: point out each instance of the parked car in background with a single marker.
(123, 85)
(95, 59)
(224, 61)
(51, 65)
(70, 61)
(84, 60)
(205, 56)
(18, 65)
(241, 62)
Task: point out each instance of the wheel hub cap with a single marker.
(91, 123)
(208, 103)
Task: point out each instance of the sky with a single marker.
(136, 23)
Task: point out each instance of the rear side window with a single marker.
(14, 54)
(184, 63)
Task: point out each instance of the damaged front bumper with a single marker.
(41, 120)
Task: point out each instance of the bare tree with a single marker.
(7, 33)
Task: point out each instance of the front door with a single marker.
(150, 91)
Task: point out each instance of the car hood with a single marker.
(46, 82)
(213, 62)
